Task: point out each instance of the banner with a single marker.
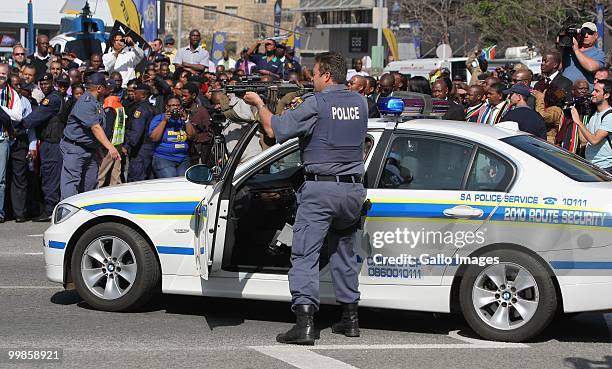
(297, 43)
(148, 10)
(277, 17)
(392, 42)
(124, 30)
(599, 21)
(125, 11)
(218, 46)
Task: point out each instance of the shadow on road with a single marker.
(222, 312)
(581, 363)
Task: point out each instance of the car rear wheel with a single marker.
(511, 301)
(114, 268)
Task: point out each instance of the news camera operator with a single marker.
(581, 58)
(170, 131)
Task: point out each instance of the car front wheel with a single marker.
(513, 300)
(114, 268)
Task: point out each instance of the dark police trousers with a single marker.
(79, 170)
(322, 207)
(140, 167)
(50, 173)
(19, 172)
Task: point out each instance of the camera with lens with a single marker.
(567, 36)
(175, 114)
(505, 74)
(217, 120)
(581, 103)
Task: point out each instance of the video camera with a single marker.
(567, 35)
(582, 104)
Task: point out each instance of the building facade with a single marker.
(240, 33)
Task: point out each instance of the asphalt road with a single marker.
(182, 331)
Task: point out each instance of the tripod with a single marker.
(218, 154)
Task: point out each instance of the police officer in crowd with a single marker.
(49, 125)
(138, 145)
(331, 125)
(83, 134)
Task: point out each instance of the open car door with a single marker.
(212, 212)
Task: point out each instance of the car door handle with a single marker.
(463, 211)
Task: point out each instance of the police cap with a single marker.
(142, 87)
(46, 77)
(62, 79)
(97, 79)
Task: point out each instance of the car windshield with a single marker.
(565, 162)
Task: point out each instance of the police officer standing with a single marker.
(49, 125)
(138, 146)
(83, 133)
(331, 125)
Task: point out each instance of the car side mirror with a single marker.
(200, 174)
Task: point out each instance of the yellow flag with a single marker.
(125, 12)
(392, 42)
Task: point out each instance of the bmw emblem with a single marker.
(506, 295)
(111, 268)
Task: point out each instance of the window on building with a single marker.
(259, 31)
(287, 16)
(260, 1)
(210, 15)
(231, 10)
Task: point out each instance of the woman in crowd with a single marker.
(170, 131)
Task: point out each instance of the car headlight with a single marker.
(63, 212)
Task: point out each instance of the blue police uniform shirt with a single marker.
(273, 65)
(173, 145)
(301, 122)
(574, 71)
(86, 113)
(47, 109)
(138, 126)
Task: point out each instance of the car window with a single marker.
(367, 146)
(290, 160)
(565, 162)
(425, 163)
(489, 172)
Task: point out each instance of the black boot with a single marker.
(349, 323)
(303, 332)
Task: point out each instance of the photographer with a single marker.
(123, 57)
(583, 59)
(598, 131)
(170, 132)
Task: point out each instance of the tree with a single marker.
(438, 18)
(520, 22)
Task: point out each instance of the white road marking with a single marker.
(35, 235)
(20, 253)
(33, 253)
(30, 287)
(301, 358)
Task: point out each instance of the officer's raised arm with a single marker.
(292, 123)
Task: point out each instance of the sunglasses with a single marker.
(589, 32)
(18, 53)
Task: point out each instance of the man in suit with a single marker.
(439, 90)
(551, 63)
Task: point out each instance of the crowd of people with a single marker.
(71, 125)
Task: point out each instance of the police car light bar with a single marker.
(412, 104)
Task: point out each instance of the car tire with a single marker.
(503, 314)
(121, 282)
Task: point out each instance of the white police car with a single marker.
(485, 220)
